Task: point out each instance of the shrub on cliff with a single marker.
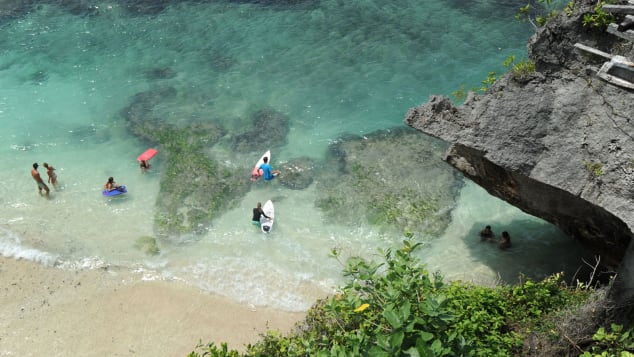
(397, 308)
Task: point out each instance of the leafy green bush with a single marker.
(615, 342)
(538, 16)
(599, 19)
(397, 308)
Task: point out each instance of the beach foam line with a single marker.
(11, 247)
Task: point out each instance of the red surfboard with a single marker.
(148, 154)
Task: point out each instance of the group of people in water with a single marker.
(43, 188)
(486, 235)
(111, 185)
(41, 185)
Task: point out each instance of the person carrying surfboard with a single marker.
(258, 212)
(268, 173)
(144, 159)
(144, 165)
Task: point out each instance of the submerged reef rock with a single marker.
(195, 187)
(38, 77)
(160, 73)
(92, 132)
(269, 130)
(393, 179)
(297, 174)
(81, 8)
(558, 143)
(222, 63)
(280, 3)
(145, 7)
(148, 245)
(15, 9)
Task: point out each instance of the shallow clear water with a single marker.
(333, 68)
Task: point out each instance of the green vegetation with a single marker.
(397, 308)
(460, 94)
(595, 168)
(537, 17)
(599, 19)
(488, 82)
(616, 343)
(521, 69)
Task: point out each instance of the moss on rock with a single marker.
(148, 245)
(392, 179)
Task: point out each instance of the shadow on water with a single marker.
(538, 249)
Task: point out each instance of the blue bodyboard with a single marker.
(115, 192)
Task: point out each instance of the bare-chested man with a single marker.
(40, 183)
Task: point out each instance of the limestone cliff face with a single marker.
(558, 143)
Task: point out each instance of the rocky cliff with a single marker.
(557, 142)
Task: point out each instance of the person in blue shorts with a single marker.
(268, 173)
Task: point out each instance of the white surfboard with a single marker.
(256, 173)
(267, 223)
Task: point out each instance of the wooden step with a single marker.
(619, 9)
(628, 35)
(592, 50)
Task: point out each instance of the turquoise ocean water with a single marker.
(333, 67)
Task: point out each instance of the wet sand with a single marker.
(51, 312)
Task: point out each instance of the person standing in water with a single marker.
(258, 212)
(40, 183)
(486, 234)
(144, 165)
(505, 241)
(52, 176)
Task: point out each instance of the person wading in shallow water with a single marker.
(257, 214)
(486, 234)
(505, 241)
(144, 165)
(40, 183)
(52, 176)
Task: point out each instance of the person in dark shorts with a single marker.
(40, 183)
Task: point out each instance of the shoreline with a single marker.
(49, 311)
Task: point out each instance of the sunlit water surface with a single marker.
(333, 68)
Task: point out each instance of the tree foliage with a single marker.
(398, 308)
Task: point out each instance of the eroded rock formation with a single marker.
(558, 142)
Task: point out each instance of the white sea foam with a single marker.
(10, 246)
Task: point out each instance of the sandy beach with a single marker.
(52, 312)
